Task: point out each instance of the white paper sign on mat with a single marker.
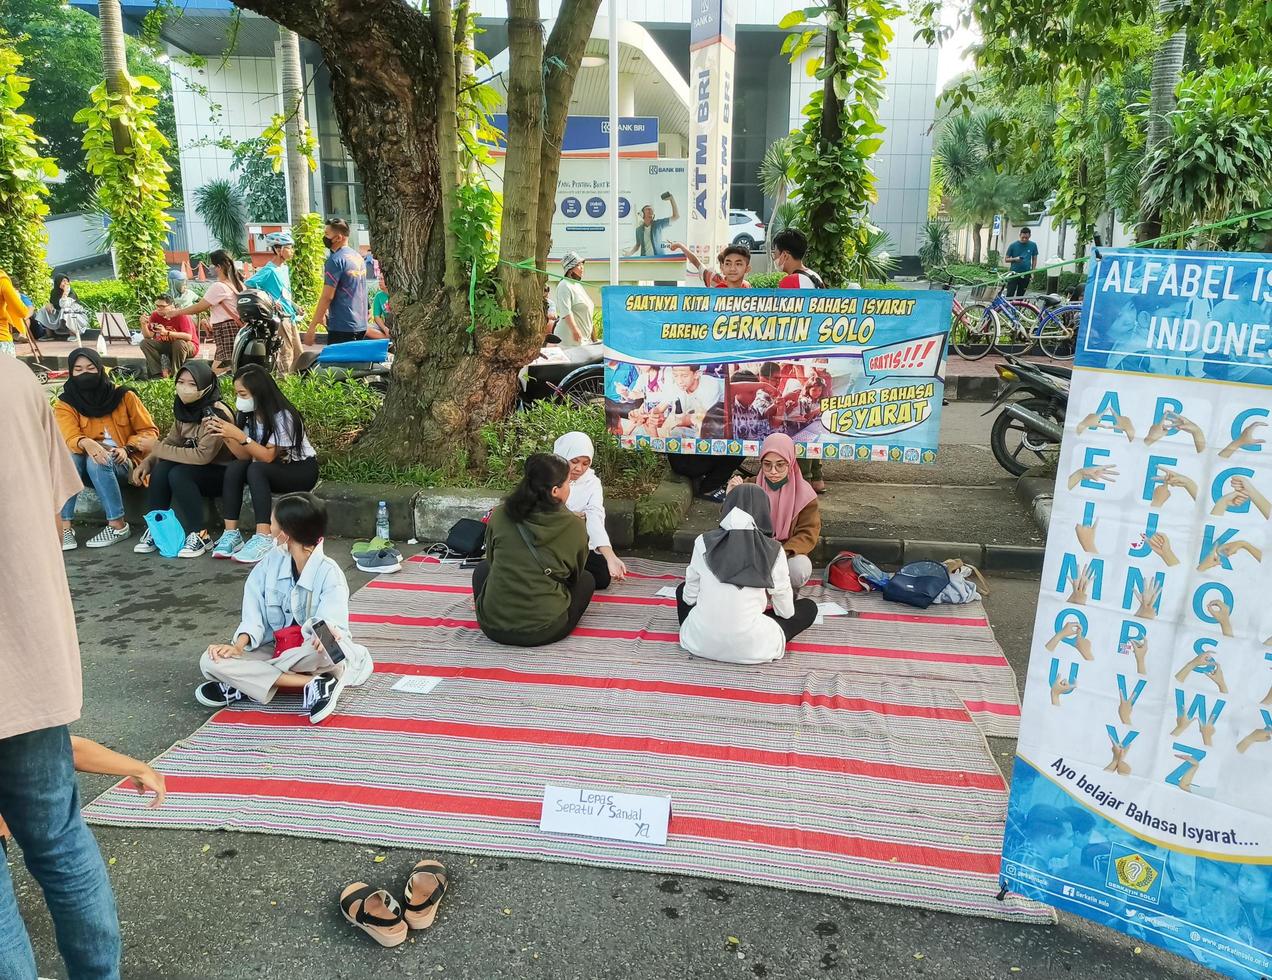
(666, 592)
(601, 813)
(416, 685)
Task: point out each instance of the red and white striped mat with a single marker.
(856, 766)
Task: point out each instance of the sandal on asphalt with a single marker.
(427, 884)
(375, 912)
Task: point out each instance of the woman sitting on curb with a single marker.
(533, 586)
(587, 500)
(272, 455)
(792, 503)
(279, 644)
(106, 428)
(731, 576)
(189, 464)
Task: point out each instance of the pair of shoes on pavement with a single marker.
(196, 545)
(379, 562)
(377, 913)
(102, 539)
(231, 545)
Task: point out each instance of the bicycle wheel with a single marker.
(1057, 333)
(1018, 328)
(973, 330)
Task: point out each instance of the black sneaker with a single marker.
(320, 697)
(214, 694)
(716, 496)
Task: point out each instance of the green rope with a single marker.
(1001, 278)
(472, 300)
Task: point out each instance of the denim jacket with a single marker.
(272, 599)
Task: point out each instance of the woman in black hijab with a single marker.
(106, 428)
(189, 465)
(734, 571)
(54, 318)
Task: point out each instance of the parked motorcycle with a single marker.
(260, 338)
(366, 360)
(1028, 429)
(574, 374)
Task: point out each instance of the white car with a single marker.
(747, 230)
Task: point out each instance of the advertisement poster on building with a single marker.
(649, 207)
(711, 61)
(847, 374)
(1140, 797)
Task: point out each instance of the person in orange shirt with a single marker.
(13, 314)
(107, 429)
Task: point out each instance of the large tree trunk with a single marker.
(976, 242)
(294, 110)
(1168, 64)
(391, 73)
(114, 65)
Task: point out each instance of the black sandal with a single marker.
(388, 930)
(421, 916)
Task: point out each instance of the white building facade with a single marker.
(233, 98)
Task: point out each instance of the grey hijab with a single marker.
(744, 556)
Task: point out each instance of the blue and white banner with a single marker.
(847, 374)
(588, 136)
(1141, 796)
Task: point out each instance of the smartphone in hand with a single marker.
(328, 640)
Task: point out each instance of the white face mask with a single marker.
(245, 404)
(282, 545)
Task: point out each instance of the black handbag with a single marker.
(466, 538)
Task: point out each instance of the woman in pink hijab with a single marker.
(793, 503)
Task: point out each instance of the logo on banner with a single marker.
(704, 446)
(657, 445)
(751, 448)
(735, 448)
(830, 450)
(863, 452)
(1135, 872)
(673, 445)
(879, 454)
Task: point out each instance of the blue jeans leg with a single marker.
(17, 960)
(40, 801)
(105, 480)
(81, 466)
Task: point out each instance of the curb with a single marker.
(900, 551)
(1035, 493)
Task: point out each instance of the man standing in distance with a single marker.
(789, 248)
(574, 305)
(1022, 256)
(275, 279)
(40, 695)
(343, 302)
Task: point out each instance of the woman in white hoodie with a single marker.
(587, 500)
(731, 576)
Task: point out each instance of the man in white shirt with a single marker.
(694, 394)
(573, 304)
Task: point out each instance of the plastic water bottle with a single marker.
(101, 345)
(382, 521)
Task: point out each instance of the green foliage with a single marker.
(307, 261)
(476, 103)
(1216, 160)
(872, 260)
(132, 182)
(841, 131)
(263, 189)
(222, 209)
(967, 157)
(936, 242)
(62, 51)
(475, 223)
(625, 472)
(23, 172)
(108, 295)
(963, 273)
(764, 280)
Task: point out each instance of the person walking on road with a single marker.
(1022, 259)
(40, 696)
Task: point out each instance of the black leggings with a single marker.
(580, 596)
(264, 480)
(599, 568)
(183, 487)
(711, 472)
(804, 616)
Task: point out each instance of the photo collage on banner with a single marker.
(1140, 795)
(846, 374)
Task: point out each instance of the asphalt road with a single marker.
(207, 906)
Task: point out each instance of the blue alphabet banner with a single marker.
(854, 375)
(1141, 795)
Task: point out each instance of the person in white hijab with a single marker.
(587, 499)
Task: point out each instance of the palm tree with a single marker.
(963, 160)
(1168, 65)
(977, 200)
(294, 110)
(778, 175)
(221, 207)
(114, 65)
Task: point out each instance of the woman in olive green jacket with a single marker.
(532, 587)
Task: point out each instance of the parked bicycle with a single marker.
(1015, 326)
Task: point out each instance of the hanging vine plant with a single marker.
(23, 172)
(132, 177)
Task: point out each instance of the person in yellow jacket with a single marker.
(13, 314)
(108, 430)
